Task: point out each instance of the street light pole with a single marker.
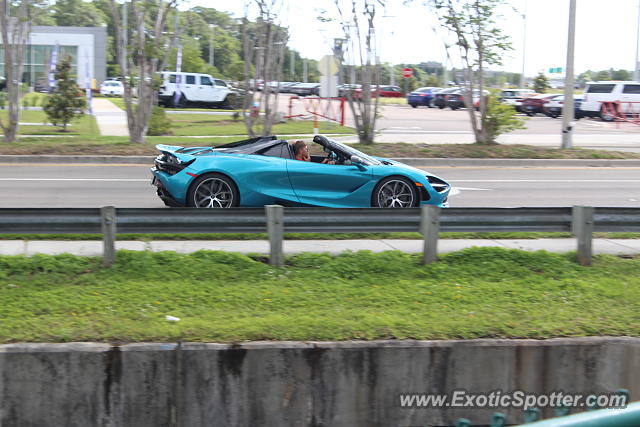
(292, 64)
(636, 69)
(305, 71)
(567, 108)
(211, 38)
(524, 42)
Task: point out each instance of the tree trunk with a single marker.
(141, 60)
(15, 31)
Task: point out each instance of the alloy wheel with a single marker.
(213, 193)
(395, 194)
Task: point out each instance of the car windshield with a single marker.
(353, 152)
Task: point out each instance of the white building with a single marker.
(86, 46)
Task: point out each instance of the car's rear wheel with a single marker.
(606, 115)
(395, 192)
(180, 103)
(213, 191)
(414, 105)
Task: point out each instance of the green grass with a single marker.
(86, 125)
(114, 145)
(226, 297)
(35, 97)
(200, 124)
(316, 236)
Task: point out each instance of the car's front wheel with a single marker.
(213, 191)
(395, 192)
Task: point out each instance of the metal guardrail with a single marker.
(582, 221)
(626, 416)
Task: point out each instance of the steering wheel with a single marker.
(332, 157)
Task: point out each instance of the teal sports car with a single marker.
(262, 171)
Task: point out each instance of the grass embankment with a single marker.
(204, 124)
(316, 236)
(85, 126)
(114, 145)
(478, 292)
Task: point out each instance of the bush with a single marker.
(67, 102)
(159, 124)
(501, 118)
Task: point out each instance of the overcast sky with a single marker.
(605, 32)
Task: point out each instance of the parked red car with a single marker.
(383, 91)
(533, 105)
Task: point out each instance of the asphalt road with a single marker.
(88, 185)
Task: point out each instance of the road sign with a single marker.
(328, 65)
(407, 72)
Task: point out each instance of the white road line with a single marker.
(457, 190)
(79, 179)
(461, 132)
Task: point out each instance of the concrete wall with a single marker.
(291, 383)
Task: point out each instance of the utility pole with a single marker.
(292, 65)
(524, 42)
(305, 71)
(211, 38)
(567, 108)
(636, 69)
(393, 75)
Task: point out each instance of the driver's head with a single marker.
(300, 148)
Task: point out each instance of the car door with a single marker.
(631, 94)
(329, 185)
(190, 89)
(206, 90)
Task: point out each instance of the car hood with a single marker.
(390, 162)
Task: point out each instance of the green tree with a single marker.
(77, 13)
(192, 62)
(621, 75)
(67, 102)
(602, 75)
(541, 83)
(501, 118)
(433, 80)
(481, 43)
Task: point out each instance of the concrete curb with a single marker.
(458, 162)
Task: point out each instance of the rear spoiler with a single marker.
(181, 153)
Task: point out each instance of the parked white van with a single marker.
(194, 88)
(595, 93)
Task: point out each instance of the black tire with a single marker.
(530, 114)
(380, 198)
(213, 183)
(182, 102)
(606, 117)
(453, 108)
(414, 105)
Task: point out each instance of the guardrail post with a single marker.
(430, 227)
(108, 225)
(275, 230)
(582, 228)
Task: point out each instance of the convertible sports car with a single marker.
(262, 171)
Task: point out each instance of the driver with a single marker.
(301, 152)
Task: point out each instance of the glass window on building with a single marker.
(37, 59)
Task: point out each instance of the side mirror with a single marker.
(357, 161)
